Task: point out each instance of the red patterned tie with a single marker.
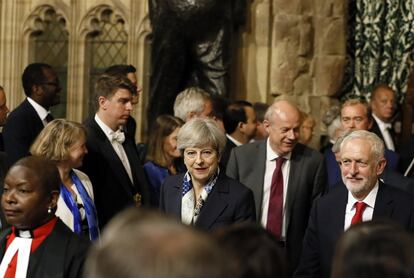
(275, 212)
(360, 207)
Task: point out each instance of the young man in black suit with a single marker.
(363, 198)
(41, 86)
(112, 162)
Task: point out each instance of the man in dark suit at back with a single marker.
(285, 177)
(383, 105)
(364, 197)
(41, 86)
(112, 162)
(240, 125)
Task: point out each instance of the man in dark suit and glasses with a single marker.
(363, 198)
(41, 87)
(112, 162)
(282, 206)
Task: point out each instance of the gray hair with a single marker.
(377, 145)
(200, 132)
(190, 100)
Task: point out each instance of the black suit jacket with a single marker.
(61, 255)
(229, 202)
(226, 154)
(21, 129)
(113, 190)
(327, 220)
(375, 129)
(307, 179)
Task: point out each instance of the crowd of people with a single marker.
(222, 188)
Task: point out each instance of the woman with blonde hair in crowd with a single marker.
(64, 142)
(163, 155)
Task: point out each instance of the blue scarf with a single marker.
(91, 215)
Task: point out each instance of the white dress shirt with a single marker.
(267, 184)
(40, 110)
(118, 148)
(385, 131)
(369, 209)
(237, 143)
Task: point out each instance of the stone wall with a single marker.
(308, 52)
(294, 48)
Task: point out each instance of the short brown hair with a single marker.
(55, 140)
(106, 85)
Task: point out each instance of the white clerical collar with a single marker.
(272, 155)
(237, 143)
(382, 125)
(40, 110)
(106, 129)
(369, 199)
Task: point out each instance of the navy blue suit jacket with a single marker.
(21, 129)
(229, 202)
(327, 220)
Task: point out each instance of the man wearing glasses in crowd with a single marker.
(41, 87)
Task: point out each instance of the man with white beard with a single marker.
(363, 198)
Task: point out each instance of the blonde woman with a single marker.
(64, 142)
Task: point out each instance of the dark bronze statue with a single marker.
(191, 47)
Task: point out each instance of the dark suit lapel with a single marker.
(257, 176)
(112, 158)
(176, 199)
(384, 203)
(337, 214)
(37, 122)
(296, 164)
(215, 204)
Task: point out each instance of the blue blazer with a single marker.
(229, 202)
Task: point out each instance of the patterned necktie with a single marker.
(360, 207)
(275, 212)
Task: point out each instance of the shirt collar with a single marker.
(272, 155)
(382, 125)
(40, 231)
(40, 110)
(106, 129)
(237, 143)
(369, 199)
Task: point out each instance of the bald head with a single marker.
(282, 121)
(282, 109)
